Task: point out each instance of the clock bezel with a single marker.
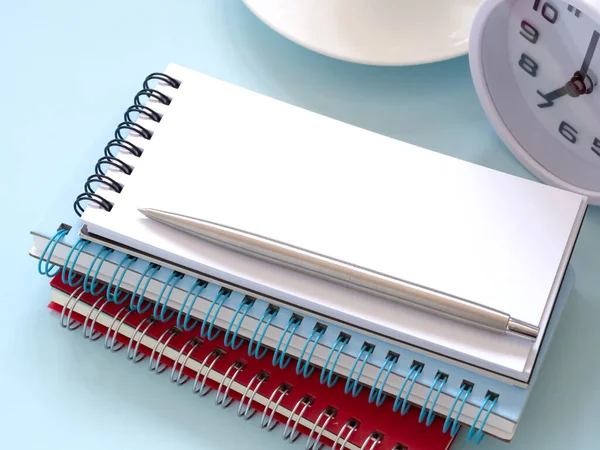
(476, 60)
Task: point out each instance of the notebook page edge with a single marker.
(563, 278)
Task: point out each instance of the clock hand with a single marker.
(589, 54)
(554, 95)
(578, 85)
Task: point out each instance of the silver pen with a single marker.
(430, 300)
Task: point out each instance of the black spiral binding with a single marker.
(119, 143)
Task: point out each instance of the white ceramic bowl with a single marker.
(378, 32)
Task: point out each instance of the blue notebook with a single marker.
(321, 340)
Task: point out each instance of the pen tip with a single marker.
(154, 214)
(146, 211)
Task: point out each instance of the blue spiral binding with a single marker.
(414, 372)
(279, 356)
(244, 307)
(326, 374)
(352, 384)
(171, 283)
(490, 399)
(201, 285)
(150, 271)
(267, 318)
(441, 379)
(378, 393)
(116, 290)
(51, 269)
(91, 287)
(219, 300)
(303, 366)
(464, 389)
(68, 279)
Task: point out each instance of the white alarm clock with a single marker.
(536, 69)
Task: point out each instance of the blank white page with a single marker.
(232, 156)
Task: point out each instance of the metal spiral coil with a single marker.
(136, 357)
(292, 435)
(113, 340)
(155, 365)
(203, 390)
(374, 438)
(90, 334)
(282, 390)
(128, 125)
(328, 414)
(224, 401)
(194, 343)
(68, 323)
(244, 409)
(349, 428)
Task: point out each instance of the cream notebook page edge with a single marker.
(254, 137)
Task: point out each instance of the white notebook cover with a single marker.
(236, 157)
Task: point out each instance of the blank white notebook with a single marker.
(232, 156)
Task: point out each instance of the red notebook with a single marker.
(222, 365)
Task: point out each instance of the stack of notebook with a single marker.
(349, 366)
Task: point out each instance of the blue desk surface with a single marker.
(68, 70)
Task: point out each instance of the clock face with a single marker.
(555, 52)
(540, 62)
